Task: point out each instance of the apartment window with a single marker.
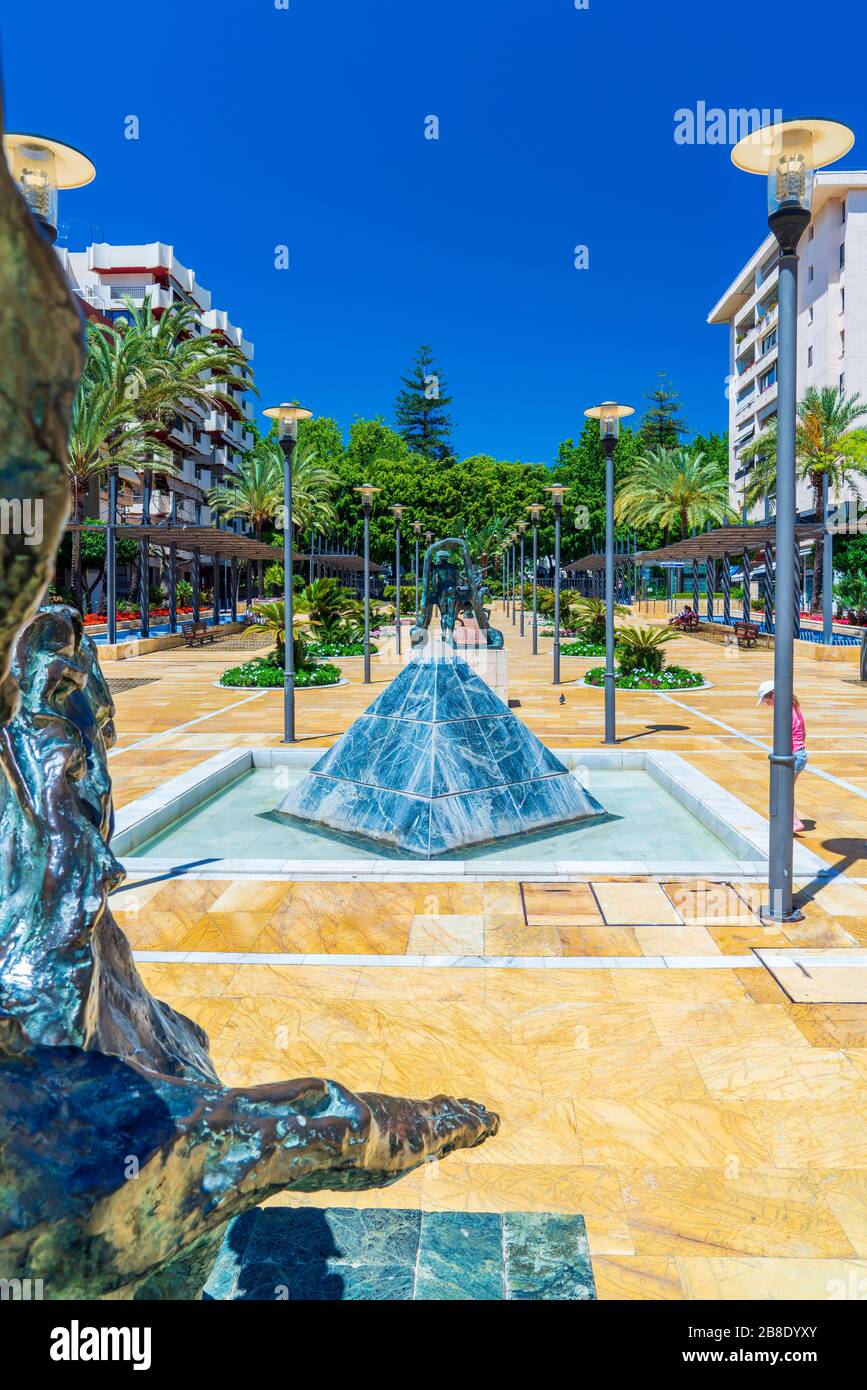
(809, 357)
(769, 341)
(843, 344)
(842, 301)
(810, 314)
(810, 273)
(842, 255)
(811, 233)
(842, 383)
(768, 378)
(842, 212)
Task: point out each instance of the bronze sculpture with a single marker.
(452, 584)
(122, 1156)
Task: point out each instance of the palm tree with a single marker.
(106, 431)
(484, 540)
(312, 486)
(826, 445)
(177, 365)
(668, 486)
(174, 367)
(255, 493)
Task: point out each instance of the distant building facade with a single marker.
(206, 446)
(832, 323)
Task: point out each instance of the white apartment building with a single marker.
(832, 320)
(205, 446)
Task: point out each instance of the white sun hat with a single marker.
(766, 688)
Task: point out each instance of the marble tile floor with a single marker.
(339, 1254)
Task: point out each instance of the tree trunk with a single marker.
(818, 566)
(260, 564)
(77, 596)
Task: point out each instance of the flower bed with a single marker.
(127, 615)
(672, 678)
(262, 674)
(582, 648)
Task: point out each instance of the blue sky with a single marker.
(262, 126)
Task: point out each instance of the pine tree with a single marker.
(662, 426)
(420, 409)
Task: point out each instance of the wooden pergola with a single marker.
(715, 549)
(591, 569)
(217, 545)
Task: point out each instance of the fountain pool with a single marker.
(661, 817)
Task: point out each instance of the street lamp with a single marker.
(287, 416)
(557, 492)
(609, 414)
(398, 513)
(522, 531)
(787, 153)
(40, 167)
(535, 510)
(367, 495)
(416, 531)
(505, 577)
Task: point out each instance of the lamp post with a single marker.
(522, 531)
(416, 530)
(287, 416)
(535, 510)
(557, 492)
(367, 495)
(40, 167)
(505, 579)
(787, 153)
(512, 575)
(609, 414)
(398, 513)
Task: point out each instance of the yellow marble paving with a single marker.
(675, 1212)
(563, 905)
(634, 904)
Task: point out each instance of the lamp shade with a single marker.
(535, 510)
(609, 414)
(40, 167)
(557, 491)
(788, 153)
(368, 492)
(287, 416)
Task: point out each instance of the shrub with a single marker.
(643, 648)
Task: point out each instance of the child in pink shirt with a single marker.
(799, 738)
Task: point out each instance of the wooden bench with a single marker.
(197, 632)
(747, 634)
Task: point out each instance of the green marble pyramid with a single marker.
(437, 763)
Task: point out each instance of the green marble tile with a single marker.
(460, 1257)
(546, 1257)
